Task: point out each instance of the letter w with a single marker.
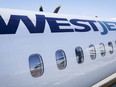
(14, 20)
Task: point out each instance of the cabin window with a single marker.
(79, 55)
(61, 59)
(92, 51)
(102, 49)
(111, 50)
(36, 65)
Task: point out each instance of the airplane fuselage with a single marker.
(54, 50)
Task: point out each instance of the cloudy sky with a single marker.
(92, 8)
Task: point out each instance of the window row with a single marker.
(37, 66)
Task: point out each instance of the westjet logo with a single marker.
(79, 25)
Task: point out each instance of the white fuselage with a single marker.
(16, 48)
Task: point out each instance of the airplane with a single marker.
(39, 49)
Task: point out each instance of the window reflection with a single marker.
(102, 49)
(61, 59)
(79, 54)
(111, 50)
(36, 65)
(92, 51)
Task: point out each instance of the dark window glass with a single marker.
(92, 51)
(111, 50)
(36, 65)
(61, 59)
(79, 54)
(102, 49)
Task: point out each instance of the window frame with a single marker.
(36, 65)
(110, 44)
(79, 55)
(102, 50)
(93, 57)
(63, 60)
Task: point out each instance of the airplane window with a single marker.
(111, 50)
(79, 54)
(61, 59)
(92, 51)
(36, 65)
(102, 49)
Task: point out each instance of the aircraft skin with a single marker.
(25, 33)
